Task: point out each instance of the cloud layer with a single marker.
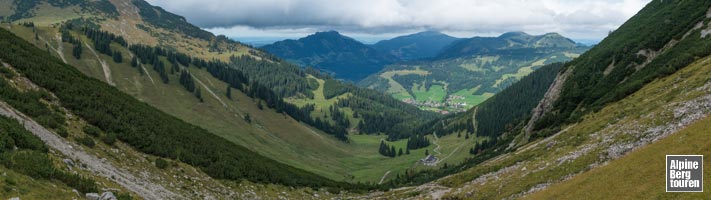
(577, 18)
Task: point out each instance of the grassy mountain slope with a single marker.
(268, 132)
(333, 53)
(415, 46)
(135, 20)
(143, 127)
(471, 70)
(692, 140)
(140, 175)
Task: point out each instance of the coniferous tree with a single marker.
(399, 153)
(417, 141)
(76, 51)
(118, 58)
(174, 68)
(198, 94)
(134, 62)
(247, 118)
(392, 151)
(229, 92)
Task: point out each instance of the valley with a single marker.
(108, 99)
(459, 78)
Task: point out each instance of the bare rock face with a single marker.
(107, 196)
(69, 162)
(546, 104)
(92, 196)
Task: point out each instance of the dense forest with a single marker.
(517, 100)
(380, 113)
(146, 128)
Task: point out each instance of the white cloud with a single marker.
(585, 19)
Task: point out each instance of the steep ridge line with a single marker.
(137, 184)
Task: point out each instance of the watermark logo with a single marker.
(685, 173)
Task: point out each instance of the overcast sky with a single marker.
(372, 20)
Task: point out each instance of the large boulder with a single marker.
(107, 196)
(92, 196)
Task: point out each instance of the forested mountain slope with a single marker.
(416, 46)
(331, 52)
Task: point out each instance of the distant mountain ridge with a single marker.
(416, 46)
(334, 53)
(506, 42)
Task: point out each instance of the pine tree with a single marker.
(134, 62)
(399, 153)
(198, 94)
(392, 151)
(427, 152)
(247, 118)
(229, 92)
(407, 151)
(118, 58)
(76, 51)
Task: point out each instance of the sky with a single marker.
(373, 20)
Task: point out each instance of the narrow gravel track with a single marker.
(141, 186)
(104, 66)
(384, 176)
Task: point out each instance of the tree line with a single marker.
(389, 151)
